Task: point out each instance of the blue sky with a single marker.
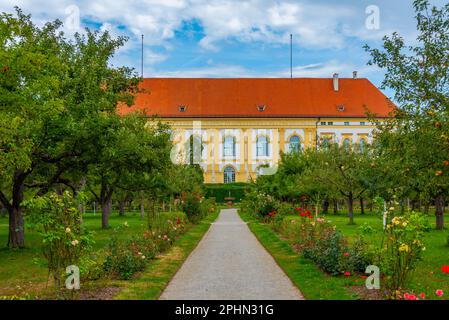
(237, 38)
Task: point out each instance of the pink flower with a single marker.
(346, 254)
(439, 292)
(406, 296)
(445, 269)
(347, 274)
(422, 295)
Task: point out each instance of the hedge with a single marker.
(220, 191)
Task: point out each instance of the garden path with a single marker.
(230, 263)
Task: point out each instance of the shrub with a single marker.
(64, 240)
(128, 257)
(191, 205)
(402, 250)
(222, 191)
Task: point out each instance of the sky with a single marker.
(237, 38)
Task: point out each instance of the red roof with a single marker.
(297, 97)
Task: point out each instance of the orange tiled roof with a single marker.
(297, 97)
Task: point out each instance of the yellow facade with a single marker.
(248, 155)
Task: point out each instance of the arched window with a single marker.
(362, 144)
(347, 144)
(295, 144)
(229, 147)
(229, 175)
(262, 146)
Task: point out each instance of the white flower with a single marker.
(126, 224)
(143, 257)
(67, 230)
(74, 242)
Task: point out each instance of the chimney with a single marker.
(354, 74)
(335, 81)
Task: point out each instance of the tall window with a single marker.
(362, 144)
(347, 144)
(194, 150)
(229, 147)
(325, 143)
(262, 146)
(229, 175)
(295, 144)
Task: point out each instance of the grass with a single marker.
(23, 272)
(317, 285)
(312, 282)
(151, 282)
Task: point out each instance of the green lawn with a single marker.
(23, 272)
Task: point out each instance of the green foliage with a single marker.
(126, 257)
(191, 206)
(58, 222)
(402, 250)
(226, 190)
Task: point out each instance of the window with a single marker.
(347, 123)
(262, 146)
(362, 144)
(229, 147)
(295, 144)
(261, 108)
(347, 144)
(182, 108)
(229, 175)
(362, 123)
(194, 150)
(323, 123)
(330, 123)
(325, 143)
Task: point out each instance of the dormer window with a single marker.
(341, 107)
(261, 108)
(182, 108)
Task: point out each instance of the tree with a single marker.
(131, 155)
(53, 94)
(341, 170)
(418, 133)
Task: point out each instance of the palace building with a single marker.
(237, 127)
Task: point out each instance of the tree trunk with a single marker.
(142, 209)
(106, 205)
(351, 208)
(121, 208)
(335, 203)
(326, 206)
(439, 212)
(362, 206)
(16, 237)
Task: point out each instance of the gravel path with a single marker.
(230, 263)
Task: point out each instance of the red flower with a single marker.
(347, 274)
(346, 254)
(406, 296)
(439, 292)
(364, 277)
(422, 295)
(445, 269)
(178, 221)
